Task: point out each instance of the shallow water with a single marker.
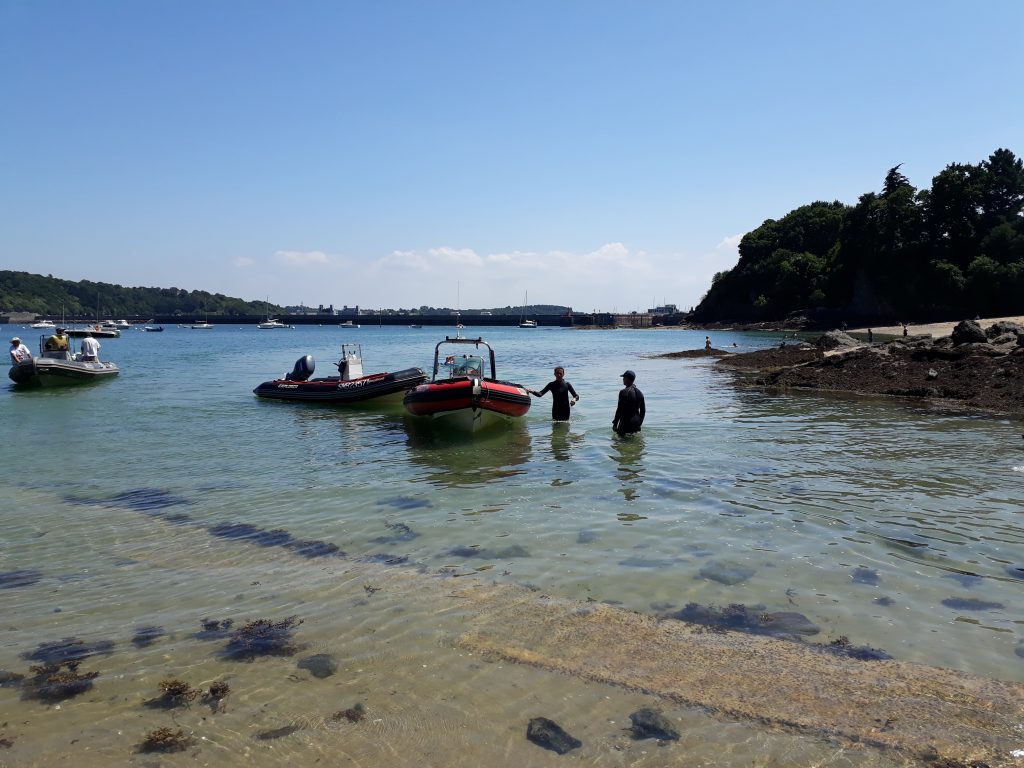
(894, 525)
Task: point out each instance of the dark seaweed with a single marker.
(262, 637)
(173, 693)
(52, 683)
(385, 559)
(314, 549)
(165, 740)
(277, 733)
(970, 604)
(177, 518)
(784, 624)
(353, 714)
(965, 578)
(146, 636)
(275, 538)
(234, 530)
(862, 575)
(405, 502)
(214, 629)
(401, 533)
(842, 647)
(10, 679)
(489, 554)
(147, 499)
(15, 579)
(68, 649)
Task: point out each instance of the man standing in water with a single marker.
(560, 390)
(629, 415)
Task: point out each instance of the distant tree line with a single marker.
(954, 250)
(48, 295)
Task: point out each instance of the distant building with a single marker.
(665, 309)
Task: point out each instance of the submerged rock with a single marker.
(320, 665)
(971, 604)
(14, 579)
(650, 724)
(549, 734)
(725, 572)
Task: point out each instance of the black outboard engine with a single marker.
(303, 369)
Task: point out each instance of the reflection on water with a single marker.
(455, 459)
(628, 453)
(565, 442)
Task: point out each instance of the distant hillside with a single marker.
(954, 250)
(25, 292)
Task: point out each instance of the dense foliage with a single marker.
(25, 292)
(955, 250)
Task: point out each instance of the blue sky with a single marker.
(391, 154)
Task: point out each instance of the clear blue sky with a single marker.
(392, 154)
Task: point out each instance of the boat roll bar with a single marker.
(459, 340)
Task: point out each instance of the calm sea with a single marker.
(136, 509)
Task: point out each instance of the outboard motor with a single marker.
(303, 369)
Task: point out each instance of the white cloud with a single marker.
(732, 241)
(302, 258)
(243, 262)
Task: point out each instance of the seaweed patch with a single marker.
(173, 693)
(68, 649)
(971, 604)
(314, 549)
(22, 578)
(146, 636)
(405, 502)
(165, 740)
(740, 618)
(400, 533)
(214, 629)
(353, 714)
(263, 637)
(278, 733)
(57, 682)
(862, 575)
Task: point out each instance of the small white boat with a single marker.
(44, 324)
(528, 324)
(271, 324)
(98, 331)
(202, 325)
(348, 324)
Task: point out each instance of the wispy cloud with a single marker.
(302, 258)
(732, 241)
(243, 262)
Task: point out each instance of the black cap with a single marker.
(629, 374)
(60, 330)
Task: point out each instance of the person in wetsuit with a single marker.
(629, 415)
(560, 390)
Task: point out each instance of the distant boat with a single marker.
(202, 325)
(152, 329)
(96, 331)
(348, 324)
(523, 321)
(415, 325)
(272, 323)
(43, 324)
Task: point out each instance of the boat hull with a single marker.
(46, 372)
(469, 404)
(378, 387)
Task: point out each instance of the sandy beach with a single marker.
(936, 330)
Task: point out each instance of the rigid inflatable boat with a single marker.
(350, 386)
(465, 393)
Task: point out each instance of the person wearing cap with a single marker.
(19, 352)
(57, 343)
(560, 390)
(90, 348)
(629, 415)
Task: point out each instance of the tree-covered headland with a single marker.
(48, 295)
(953, 250)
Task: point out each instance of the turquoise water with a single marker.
(895, 525)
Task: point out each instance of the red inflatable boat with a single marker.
(465, 391)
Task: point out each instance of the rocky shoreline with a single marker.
(974, 368)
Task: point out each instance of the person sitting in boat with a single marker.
(90, 349)
(56, 343)
(19, 352)
(560, 390)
